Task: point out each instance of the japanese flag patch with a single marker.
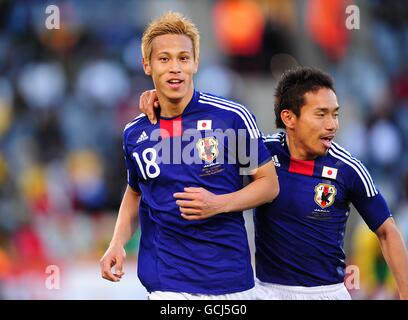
(329, 172)
(204, 124)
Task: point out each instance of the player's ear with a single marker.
(196, 64)
(146, 67)
(288, 118)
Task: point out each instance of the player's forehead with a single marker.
(321, 99)
(172, 44)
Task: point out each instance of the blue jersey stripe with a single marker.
(351, 164)
(358, 162)
(134, 121)
(234, 104)
(347, 154)
(252, 132)
(237, 106)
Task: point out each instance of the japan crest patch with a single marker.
(325, 195)
(207, 149)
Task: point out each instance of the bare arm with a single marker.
(124, 229)
(198, 203)
(264, 188)
(395, 253)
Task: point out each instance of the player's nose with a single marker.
(175, 66)
(331, 124)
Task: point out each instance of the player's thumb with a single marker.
(119, 267)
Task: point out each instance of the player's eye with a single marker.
(185, 58)
(164, 59)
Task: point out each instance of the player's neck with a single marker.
(296, 150)
(173, 107)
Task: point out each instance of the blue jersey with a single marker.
(299, 236)
(209, 256)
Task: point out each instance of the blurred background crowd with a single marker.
(66, 95)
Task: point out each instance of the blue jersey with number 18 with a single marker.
(207, 146)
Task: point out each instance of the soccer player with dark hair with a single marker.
(299, 236)
(185, 181)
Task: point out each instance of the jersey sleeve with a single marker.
(132, 176)
(368, 200)
(252, 152)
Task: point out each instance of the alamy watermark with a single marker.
(352, 277)
(53, 281)
(53, 19)
(207, 147)
(353, 17)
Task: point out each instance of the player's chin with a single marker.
(323, 151)
(326, 151)
(175, 95)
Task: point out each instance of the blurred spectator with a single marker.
(326, 24)
(88, 189)
(104, 81)
(390, 33)
(239, 27)
(385, 143)
(249, 34)
(42, 84)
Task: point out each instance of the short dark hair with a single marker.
(291, 89)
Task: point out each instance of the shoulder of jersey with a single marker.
(231, 108)
(278, 137)
(354, 166)
(136, 122)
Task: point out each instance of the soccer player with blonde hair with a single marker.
(185, 182)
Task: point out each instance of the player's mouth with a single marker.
(175, 83)
(327, 141)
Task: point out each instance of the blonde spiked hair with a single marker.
(170, 23)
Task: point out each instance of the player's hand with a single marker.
(198, 203)
(114, 256)
(148, 101)
(403, 296)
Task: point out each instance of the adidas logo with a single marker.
(142, 137)
(276, 161)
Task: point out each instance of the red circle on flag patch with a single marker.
(329, 172)
(204, 124)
